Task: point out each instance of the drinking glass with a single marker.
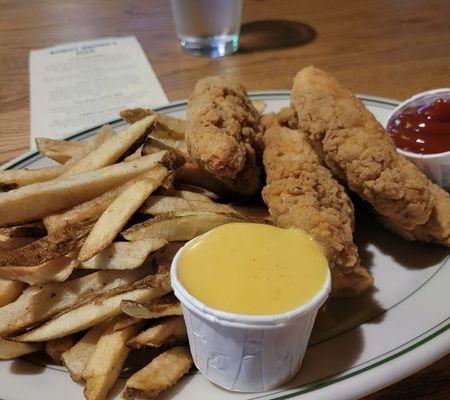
(208, 27)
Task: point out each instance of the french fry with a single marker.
(49, 247)
(188, 195)
(171, 126)
(55, 348)
(153, 145)
(98, 309)
(179, 226)
(137, 154)
(175, 141)
(76, 358)
(111, 150)
(142, 311)
(157, 308)
(135, 114)
(103, 134)
(69, 152)
(125, 323)
(103, 368)
(14, 243)
(164, 256)
(170, 331)
(31, 230)
(184, 186)
(162, 372)
(10, 349)
(59, 150)
(95, 207)
(56, 270)
(21, 235)
(9, 291)
(15, 178)
(89, 209)
(123, 255)
(156, 205)
(116, 216)
(189, 172)
(259, 105)
(41, 199)
(39, 303)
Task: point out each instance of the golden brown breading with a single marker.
(286, 117)
(437, 228)
(302, 193)
(223, 133)
(358, 150)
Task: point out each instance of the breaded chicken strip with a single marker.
(302, 193)
(224, 134)
(358, 150)
(437, 228)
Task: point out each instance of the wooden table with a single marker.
(386, 48)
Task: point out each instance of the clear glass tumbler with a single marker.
(208, 27)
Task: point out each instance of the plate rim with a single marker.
(425, 346)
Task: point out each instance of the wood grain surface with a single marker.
(391, 48)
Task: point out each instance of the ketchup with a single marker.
(423, 129)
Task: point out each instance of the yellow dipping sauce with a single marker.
(253, 269)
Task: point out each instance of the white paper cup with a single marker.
(435, 166)
(247, 353)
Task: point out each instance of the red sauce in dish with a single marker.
(423, 129)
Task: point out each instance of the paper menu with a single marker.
(77, 86)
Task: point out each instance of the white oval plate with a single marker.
(365, 343)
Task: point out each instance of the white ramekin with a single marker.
(435, 166)
(246, 353)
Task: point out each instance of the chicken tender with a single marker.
(224, 134)
(437, 228)
(358, 150)
(302, 193)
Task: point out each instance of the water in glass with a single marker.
(208, 27)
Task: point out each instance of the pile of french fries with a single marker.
(86, 247)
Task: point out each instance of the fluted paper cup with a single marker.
(434, 166)
(247, 353)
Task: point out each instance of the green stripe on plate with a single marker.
(338, 378)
